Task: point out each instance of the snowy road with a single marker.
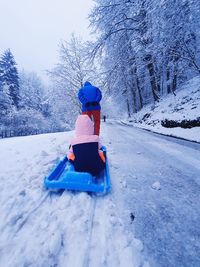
(166, 220)
(42, 229)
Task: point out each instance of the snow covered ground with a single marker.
(44, 229)
(150, 218)
(185, 105)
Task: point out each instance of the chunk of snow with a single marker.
(156, 185)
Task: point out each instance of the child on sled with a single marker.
(85, 149)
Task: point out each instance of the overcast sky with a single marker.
(32, 29)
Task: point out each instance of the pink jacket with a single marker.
(84, 133)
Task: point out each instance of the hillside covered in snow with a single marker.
(176, 115)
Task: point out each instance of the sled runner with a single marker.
(63, 176)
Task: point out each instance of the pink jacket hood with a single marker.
(84, 125)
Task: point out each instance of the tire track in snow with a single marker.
(98, 251)
(27, 216)
(35, 224)
(89, 238)
(19, 219)
(78, 230)
(108, 242)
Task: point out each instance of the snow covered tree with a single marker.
(68, 76)
(5, 102)
(176, 41)
(9, 76)
(31, 91)
(148, 47)
(36, 110)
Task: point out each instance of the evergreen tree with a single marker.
(9, 76)
(5, 102)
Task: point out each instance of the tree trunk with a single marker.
(168, 81)
(128, 108)
(126, 91)
(154, 86)
(138, 88)
(133, 91)
(174, 83)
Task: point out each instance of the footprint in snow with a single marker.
(113, 220)
(123, 184)
(77, 216)
(115, 167)
(96, 224)
(44, 153)
(22, 193)
(55, 243)
(44, 225)
(15, 219)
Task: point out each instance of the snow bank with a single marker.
(184, 106)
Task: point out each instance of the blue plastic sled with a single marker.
(63, 176)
